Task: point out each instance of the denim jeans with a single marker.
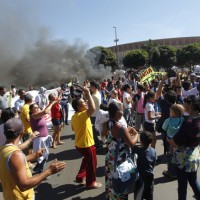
(127, 115)
(183, 179)
(65, 107)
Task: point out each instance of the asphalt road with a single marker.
(62, 186)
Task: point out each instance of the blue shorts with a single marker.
(56, 122)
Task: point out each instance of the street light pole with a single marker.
(116, 40)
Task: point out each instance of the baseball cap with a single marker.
(13, 127)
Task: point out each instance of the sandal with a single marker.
(96, 185)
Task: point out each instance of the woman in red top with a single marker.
(57, 120)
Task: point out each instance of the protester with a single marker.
(96, 96)
(20, 102)
(41, 99)
(127, 102)
(65, 99)
(187, 155)
(57, 119)
(24, 115)
(15, 175)
(3, 98)
(128, 139)
(114, 98)
(138, 101)
(84, 141)
(39, 124)
(150, 115)
(146, 159)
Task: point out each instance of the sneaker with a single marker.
(97, 185)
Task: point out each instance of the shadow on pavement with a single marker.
(65, 137)
(100, 171)
(45, 191)
(162, 179)
(99, 197)
(70, 154)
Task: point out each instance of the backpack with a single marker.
(140, 108)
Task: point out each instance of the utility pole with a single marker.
(116, 40)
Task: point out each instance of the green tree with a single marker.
(165, 57)
(151, 48)
(189, 55)
(135, 59)
(104, 56)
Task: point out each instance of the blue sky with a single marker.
(92, 21)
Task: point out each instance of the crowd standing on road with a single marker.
(168, 106)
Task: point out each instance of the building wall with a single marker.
(176, 42)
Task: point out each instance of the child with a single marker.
(145, 163)
(150, 115)
(174, 122)
(172, 125)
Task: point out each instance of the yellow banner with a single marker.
(148, 75)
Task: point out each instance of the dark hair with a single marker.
(186, 85)
(7, 114)
(31, 107)
(113, 108)
(20, 90)
(149, 94)
(195, 102)
(126, 86)
(51, 96)
(146, 138)
(63, 85)
(170, 96)
(140, 87)
(2, 87)
(95, 84)
(104, 107)
(75, 103)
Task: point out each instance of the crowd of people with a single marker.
(124, 113)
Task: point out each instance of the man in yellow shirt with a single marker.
(84, 141)
(25, 117)
(15, 175)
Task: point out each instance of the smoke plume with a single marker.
(30, 56)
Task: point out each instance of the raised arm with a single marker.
(160, 87)
(178, 84)
(43, 112)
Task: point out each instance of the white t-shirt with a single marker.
(97, 101)
(102, 117)
(126, 95)
(111, 100)
(19, 104)
(193, 91)
(149, 107)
